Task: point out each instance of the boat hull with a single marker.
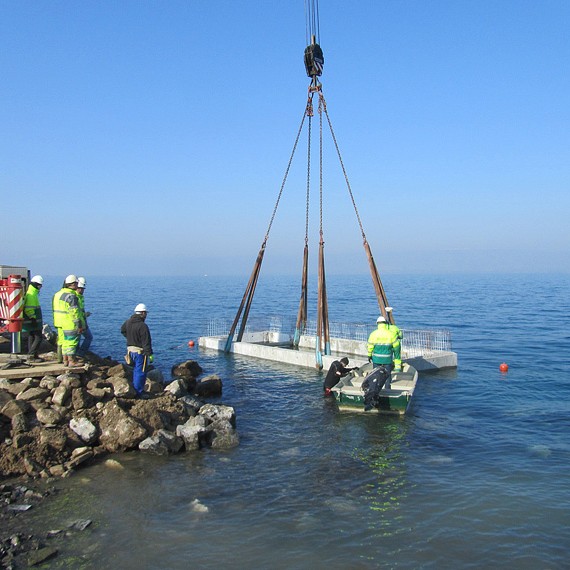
(349, 393)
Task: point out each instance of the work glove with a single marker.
(397, 369)
(151, 358)
(369, 359)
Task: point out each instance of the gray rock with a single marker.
(189, 368)
(79, 456)
(119, 431)
(121, 370)
(121, 387)
(48, 417)
(70, 380)
(49, 382)
(84, 429)
(198, 421)
(154, 445)
(177, 387)
(171, 440)
(191, 404)
(19, 423)
(209, 386)
(100, 393)
(13, 407)
(218, 412)
(60, 395)
(13, 389)
(30, 382)
(224, 440)
(191, 435)
(33, 394)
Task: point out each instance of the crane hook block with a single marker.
(314, 60)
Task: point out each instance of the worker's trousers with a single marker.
(87, 340)
(139, 371)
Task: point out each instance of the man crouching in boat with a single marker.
(337, 371)
(384, 347)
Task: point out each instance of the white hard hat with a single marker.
(141, 308)
(81, 282)
(380, 319)
(37, 279)
(70, 279)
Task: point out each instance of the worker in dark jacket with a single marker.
(337, 370)
(139, 346)
(33, 317)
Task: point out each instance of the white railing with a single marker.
(415, 342)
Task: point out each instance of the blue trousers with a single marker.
(139, 372)
(87, 340)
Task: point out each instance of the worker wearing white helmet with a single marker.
(67, 319)
(139, 346)
(393, 325)
(384, 347)
(86, 331)
(33, 321)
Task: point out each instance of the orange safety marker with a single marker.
(504, 367)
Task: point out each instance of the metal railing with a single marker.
(415, 342)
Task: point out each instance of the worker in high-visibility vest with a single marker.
(86, 333)
(67, 320)
(33, 321)
(384, 347)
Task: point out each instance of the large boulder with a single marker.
(218, 412)
(60, 395)
(48, 417)
(195, 432)
(31, 394)
(84, 429)
(13, 407)
(188, 369)
(122, 388)
(177, 387)
(209, 386)
(69, 380)
(120, 370)
(119, 431)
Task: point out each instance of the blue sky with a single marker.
(152, 137)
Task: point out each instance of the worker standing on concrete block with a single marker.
(33, 321)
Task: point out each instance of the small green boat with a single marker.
(349, 393)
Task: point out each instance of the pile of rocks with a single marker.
(50, 426)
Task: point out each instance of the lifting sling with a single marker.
(314, 62)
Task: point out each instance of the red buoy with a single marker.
(190, 343)
(504, 367)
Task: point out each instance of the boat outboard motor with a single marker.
(372, 385)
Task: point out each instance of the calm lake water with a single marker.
(476, 475)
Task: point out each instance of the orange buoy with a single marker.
(504, 367)
(190, 343)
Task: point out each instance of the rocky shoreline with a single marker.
(54, 425)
